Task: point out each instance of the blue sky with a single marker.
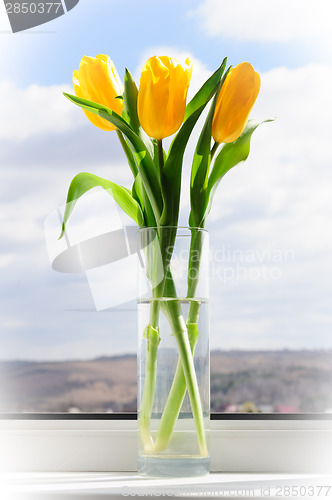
(271, 272)
(46, 55)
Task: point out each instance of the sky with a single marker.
(270, 225)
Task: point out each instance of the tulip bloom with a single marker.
(235, 101)
(97, 80)
(162, 95)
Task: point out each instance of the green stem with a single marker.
(152, 337)
(187, 362)
(175, 399)
(128, 153)
(194, 261)
(160, 261)
(214, 149)
(193, 313)
(179, 387)
(151, 334)
(160, 154)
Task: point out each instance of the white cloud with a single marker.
(262, 20)
(27, 112)
(6, 260)
(13, 323)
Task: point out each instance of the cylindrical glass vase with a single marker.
(173, 352)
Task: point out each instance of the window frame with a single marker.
(269, 443)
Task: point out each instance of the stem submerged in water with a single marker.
(152, 336)
(157, 245)
(179, 386)
(187, 362)
(175, 398)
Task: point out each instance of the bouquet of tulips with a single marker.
(142, 117)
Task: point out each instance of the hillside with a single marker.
(282, 381)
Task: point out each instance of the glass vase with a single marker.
(173, 352)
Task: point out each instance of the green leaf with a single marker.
(128, 153)
(129, 110)
(84, 181)
(130, 115)
(172, 171)
(137, 191)
(206, 92)
(201, 165)
(144, 161)
(140, 195)
(230, 155)
(233, 153)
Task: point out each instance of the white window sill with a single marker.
(296, 447)
(96, 486)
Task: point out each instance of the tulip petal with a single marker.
(235, 101)
(97, 80)
(162, 95)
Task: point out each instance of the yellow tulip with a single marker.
(162, 95)
(235, 101)
(97, 80)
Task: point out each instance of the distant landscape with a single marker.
(241, 381)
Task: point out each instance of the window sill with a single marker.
(236, 446)
(95, 486)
